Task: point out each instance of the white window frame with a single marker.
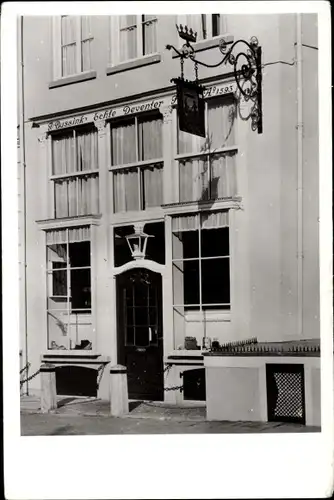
(57, 48)
(115, 29)
(182, 19)
(72, 175)
(205, 154)
(139, 165)
(88, 312)
(216, 307)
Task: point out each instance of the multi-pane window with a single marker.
(137, 36)
(207, 165)
(69, 288)
(206, 25)
(136, 163)
(75, 172)
(76, 41)
(201, 262)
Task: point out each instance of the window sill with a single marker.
(134, 63)
(68, 80)
(73, 357)
(208, 44)
(210, 316)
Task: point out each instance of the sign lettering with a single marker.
(128, 110)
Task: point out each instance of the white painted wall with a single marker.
(263, 228)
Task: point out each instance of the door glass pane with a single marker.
(141, 295)
(152, 314)
(141, 316)
(142, 336)
(130, 335)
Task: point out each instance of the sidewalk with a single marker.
(93, 417)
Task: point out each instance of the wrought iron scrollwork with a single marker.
(247, 74)
(247, 69)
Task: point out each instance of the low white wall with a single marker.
(236, 387)
(233, 394)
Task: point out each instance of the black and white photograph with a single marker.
(168, 181)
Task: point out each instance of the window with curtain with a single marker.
(69, 288)
(136, 163)
(137, 36)
(205, 25)
(75, 172)
(207, 165)
(201, 261)
(76, 41)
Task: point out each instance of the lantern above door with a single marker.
(137, 241)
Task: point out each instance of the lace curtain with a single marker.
(211, 175)
(68, 45)
(136, 188)
(205, 220)
(76, 153)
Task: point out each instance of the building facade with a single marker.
(231, 219)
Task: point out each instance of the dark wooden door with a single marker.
(139, 309)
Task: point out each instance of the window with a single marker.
(201, 263)
(206, 25)
(137, 165)
(69, 288)
(207, 165)
(133, 36)
(76, 40)
(75, 172)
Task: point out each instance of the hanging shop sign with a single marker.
(190, 107)
(131, 109)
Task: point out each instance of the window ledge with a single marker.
(195, 206)
(83, 220)
(208, 44)
(68, 80)
(135, 63)
(73, 357)
(209, 316)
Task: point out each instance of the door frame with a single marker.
(167, 322)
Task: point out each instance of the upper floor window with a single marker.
(206, 25)
(72, 45)
(133, 36)
(75, 172)
(136, 163)
(207, 165)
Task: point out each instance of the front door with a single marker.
(139, 310)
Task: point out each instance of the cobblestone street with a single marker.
(91, 417)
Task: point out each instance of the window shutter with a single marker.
(114, 40)
(56, 46)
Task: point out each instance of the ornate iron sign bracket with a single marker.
(247, 69)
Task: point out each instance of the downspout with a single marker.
(23, 195)
(300, 256)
